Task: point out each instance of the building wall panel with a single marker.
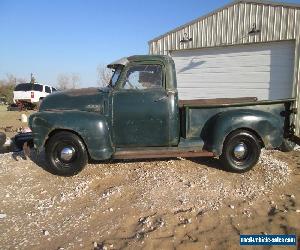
(231, 26)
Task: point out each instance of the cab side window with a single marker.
(144, 77)
(47, 89)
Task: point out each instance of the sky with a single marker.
(53, 37)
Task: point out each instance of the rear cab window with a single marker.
(47, 89)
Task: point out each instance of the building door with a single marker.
(262, 70)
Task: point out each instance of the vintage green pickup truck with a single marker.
(139, 116)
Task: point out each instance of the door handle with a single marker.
(162, 98)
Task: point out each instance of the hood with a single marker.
(88, 99)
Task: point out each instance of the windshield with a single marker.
(24, 87)
(115, 76)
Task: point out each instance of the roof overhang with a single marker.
(262, 2)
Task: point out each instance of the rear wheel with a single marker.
(241, 151)
(66, 154)
(287, 145)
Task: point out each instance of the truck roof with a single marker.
(125, 60)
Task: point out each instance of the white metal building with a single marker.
(247, 48)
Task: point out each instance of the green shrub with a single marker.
(6, 92)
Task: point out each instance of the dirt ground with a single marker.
(166, 204)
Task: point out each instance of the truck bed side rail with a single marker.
(230, 102)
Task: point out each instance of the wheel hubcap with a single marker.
(67, 153)
(240, 151)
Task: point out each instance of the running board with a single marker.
(146, 153)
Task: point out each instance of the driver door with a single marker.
(140, 108)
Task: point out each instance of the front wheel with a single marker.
(66, 154)
(241, 151)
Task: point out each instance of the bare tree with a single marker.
(104, 75)
(21, 80)
(11, 79)
(7, 86)
(32, 79)
(75, 80)
(68, 81)
(62, 82)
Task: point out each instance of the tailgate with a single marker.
(22, 95)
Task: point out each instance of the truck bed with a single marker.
(197, 115)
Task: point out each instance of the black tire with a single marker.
(240, 139)
(71, 142)
(287, 145)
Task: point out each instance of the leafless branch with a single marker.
(104, 75)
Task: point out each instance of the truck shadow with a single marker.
(37, 158)
(208, 161)
(204, 161)
(112, 161)
(40, 160)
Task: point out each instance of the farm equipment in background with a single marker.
(21, 141)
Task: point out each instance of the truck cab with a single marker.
(139, 116)
(145, 102)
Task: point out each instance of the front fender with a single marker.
(268, 126)
(91, 127)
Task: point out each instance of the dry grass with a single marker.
(2, 108)
(11, 119)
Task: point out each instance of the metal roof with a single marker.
(261, 2)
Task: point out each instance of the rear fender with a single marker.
(265, 125)
(91, 127)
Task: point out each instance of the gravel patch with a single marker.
(38, 206)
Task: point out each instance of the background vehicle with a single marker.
(31, 93)
(139, 116)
